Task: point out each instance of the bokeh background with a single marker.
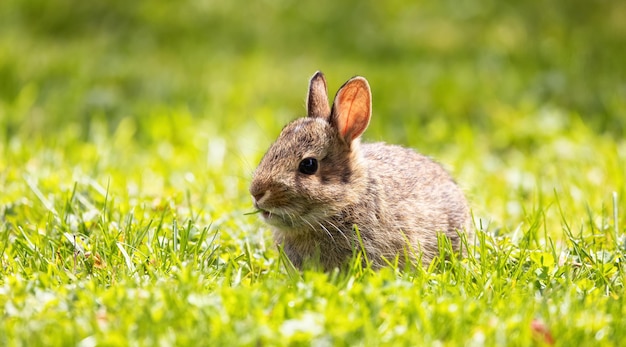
(519, 96)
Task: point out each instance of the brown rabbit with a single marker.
(317, 182)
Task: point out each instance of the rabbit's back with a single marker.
(417, 196)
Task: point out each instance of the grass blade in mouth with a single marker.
(253, 212)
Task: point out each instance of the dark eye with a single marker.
(308, 166)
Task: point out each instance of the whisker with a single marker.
(291, 219)
(307, 222)
(327, 231)
(339, 230)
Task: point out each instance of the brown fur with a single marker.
(392, 194)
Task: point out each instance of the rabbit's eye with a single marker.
(308, 166)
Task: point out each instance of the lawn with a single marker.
(129, 131)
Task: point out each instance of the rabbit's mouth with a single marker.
(265, 214)
(278, 218)
(272, 217)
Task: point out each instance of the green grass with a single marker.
(129, 132)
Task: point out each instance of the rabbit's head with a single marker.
(314, 167)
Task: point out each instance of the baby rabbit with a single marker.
(317, 185)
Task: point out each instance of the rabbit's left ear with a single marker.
(352, 109)
(317, 100)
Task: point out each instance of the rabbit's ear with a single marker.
(352, 109)
(317, 100)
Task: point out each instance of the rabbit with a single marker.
(318, 185)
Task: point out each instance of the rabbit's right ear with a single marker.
(317, 100)
(352, 109)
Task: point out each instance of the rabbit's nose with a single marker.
(257, 190)
(257, 196)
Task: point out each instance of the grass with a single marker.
(129, 132)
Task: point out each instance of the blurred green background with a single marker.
(68, 62)
(484, 86)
